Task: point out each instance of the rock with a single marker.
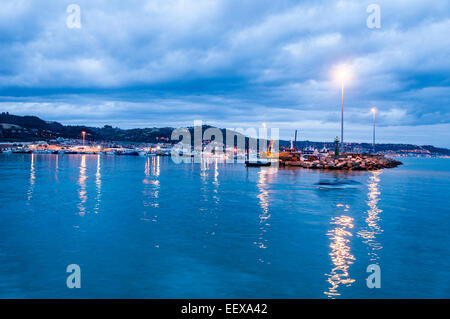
(349, 162)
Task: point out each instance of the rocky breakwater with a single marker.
(348, 162)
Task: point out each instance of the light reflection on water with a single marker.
(151, 188)
(32, 179)
(235, 222)
(216, 177)
(210, 195)
(82, 193)
(56, 166)
(340, 254)
(98, 185)
(369, 233)
(156, 169)
(264, 203)
(204, 164)
(207, 178)
(265, 176)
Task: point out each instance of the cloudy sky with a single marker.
(232, 64)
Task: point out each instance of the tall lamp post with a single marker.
(83, 134)
(342, 114)
(342, 75)
(374, 110)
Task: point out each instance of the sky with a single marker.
(233, 64)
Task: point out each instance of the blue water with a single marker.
(148, 228)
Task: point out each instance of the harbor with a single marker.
(309, 158)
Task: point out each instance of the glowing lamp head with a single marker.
(374, 110)
(342, 73)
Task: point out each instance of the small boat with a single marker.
(256, 164)
(127, 152)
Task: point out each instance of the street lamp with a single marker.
(342, 75)
(83, 134)
(374, 110)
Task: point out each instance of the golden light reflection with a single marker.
(209, 175)
(82, 193)
(57, 166)
(216, 171)
(216, 181)
(209, 204)
(370, 232)
(98, 185)
(204, 166)
(340, 254)
(151, 187)
(264, 178)
(32, 179)
(147, 167)
(155, 166)
(204, 179)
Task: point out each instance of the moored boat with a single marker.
(257, 164)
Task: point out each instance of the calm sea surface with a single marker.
(149, 228)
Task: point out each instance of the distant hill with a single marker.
(32, 128)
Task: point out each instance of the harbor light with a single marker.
(342, 74)
(83, 134)
(374, 110)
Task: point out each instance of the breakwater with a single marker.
(347, 162)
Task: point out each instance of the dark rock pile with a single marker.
(349, 162)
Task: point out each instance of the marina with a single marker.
(308, 158)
